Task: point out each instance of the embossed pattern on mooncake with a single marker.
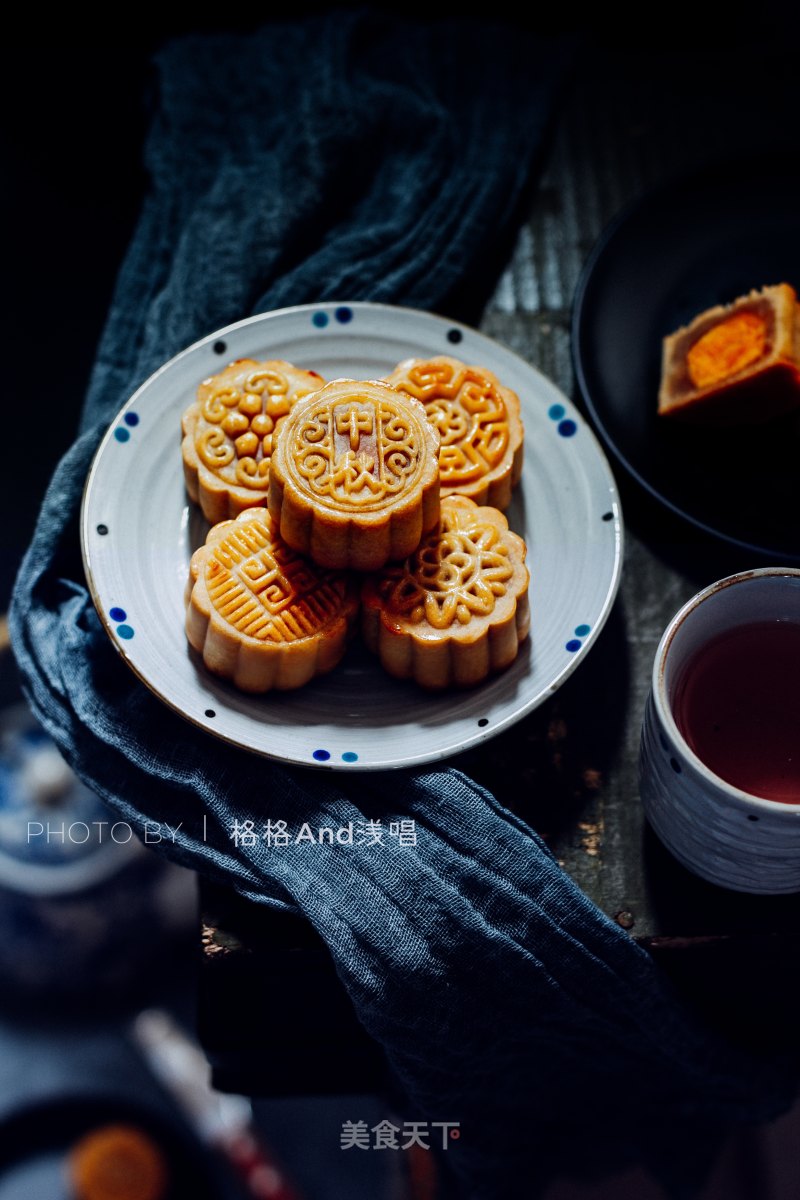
(354, 479)
(229, 431)
(457, 608)
(259, 613)
(478, 421)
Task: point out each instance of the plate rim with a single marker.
(415, 760)
(577, 325)
(178, 1140)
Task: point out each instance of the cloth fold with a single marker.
(354, 156)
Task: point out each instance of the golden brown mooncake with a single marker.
(354, 478)
(261, 615)
(457, 609)
(117, 1162)
(478, 421)
(735, 364)
(228, 432)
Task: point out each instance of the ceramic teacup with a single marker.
(722, 833)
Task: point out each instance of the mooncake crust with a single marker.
(457, 609)
(119, 1161)
(229, 431)
(354, 478)
(259, 614)
(479, 423)
(768, 381)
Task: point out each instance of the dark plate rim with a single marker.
(581, 301)
(106, 1106)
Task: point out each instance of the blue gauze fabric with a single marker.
(358, 157)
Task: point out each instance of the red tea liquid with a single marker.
(737, 704)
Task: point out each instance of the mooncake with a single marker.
(354, 478)
(455, 610)
(735, 364)
(228, 432)
(478, 421)
(118, 1162)
(261, 615)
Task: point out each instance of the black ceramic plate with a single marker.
(35, 1142)
(698, 242)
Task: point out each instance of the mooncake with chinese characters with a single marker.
(261, 615)
(455, 610)
(735, 364)
(478, 421)
(228, 432)
(354, 478)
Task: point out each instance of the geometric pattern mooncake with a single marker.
(229, 430)
(260, 614)
(479, 423)
(455, 610)
(354, 478)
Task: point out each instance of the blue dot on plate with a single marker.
(349, 756)
(125, 631)
(556, 411)
(122, 434)
(567, 428)
(343, 314)
(573, 644)
(321, 755)
(320, 319)
(131, 418)
(117, 614)
(582, 630)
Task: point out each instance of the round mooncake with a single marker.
(260, 614)
(354, 479)
(479, 423)
(228, 432)
(118, 1162)
(457, 609)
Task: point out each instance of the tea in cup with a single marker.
(720, 754)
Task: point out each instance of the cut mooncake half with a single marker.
(457, 609)
(354, 478)
(735, 364)
(261, 615)
(118, 1162)
(228, 432)
(478, 420)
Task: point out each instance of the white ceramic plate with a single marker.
(138, 531)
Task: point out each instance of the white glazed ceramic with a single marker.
(138, 531)
(721, 833)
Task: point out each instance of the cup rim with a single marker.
(665, 708)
